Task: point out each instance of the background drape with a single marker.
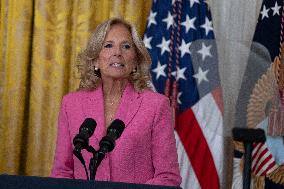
(39, 41)
(234, 24)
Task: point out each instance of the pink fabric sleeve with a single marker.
(164, 153)
(63, 165)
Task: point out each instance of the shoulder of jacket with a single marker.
(154, 95)
(76, 95)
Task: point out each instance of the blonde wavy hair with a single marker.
(87, 58)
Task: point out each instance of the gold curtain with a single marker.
(39, 41)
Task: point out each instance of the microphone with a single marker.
(114, 131)
(248, 137)
(107, 144)
(81, 140)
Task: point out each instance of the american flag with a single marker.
(262, 160)
(264, 49)
(180, 39)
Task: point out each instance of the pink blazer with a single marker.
(145, 153)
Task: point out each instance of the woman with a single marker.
(115, 74)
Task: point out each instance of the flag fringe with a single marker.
(258, 182)
(277, 176)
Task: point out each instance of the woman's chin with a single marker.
(117, 76)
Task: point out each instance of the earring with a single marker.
(97, 71)
(134, 70)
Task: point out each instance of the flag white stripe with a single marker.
(263, 168)
(263, 158)
(272, 168)
(258, 153)
(189, 179)
(237, 182)
(256, 148)
(210, 120)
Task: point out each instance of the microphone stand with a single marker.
(93, 166)
(93, 162)
(106, 144)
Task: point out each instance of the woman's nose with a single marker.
(117, 51)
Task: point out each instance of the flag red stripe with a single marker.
(256, 150)
(265, 161)
(258, 159)
(197, 150)
(217, 95)
(272, 164)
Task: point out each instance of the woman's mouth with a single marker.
(117, 65)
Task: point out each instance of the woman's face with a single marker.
(117, 58)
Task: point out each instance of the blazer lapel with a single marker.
(93, 107)
(129, 105)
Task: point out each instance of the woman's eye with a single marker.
(109, 45)
(126, 46)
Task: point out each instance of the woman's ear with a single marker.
(96, 64)
(136, 63)
(135, 67)
(97, 71)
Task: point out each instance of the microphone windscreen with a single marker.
(90, 124)
(118, 126)
(249, 135)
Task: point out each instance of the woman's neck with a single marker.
(114, 87)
